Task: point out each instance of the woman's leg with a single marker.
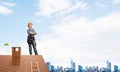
(30, 48)
(34, 47)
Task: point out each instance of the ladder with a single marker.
(34, 66)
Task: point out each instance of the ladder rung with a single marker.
(34, 66)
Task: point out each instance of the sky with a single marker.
(85, 31)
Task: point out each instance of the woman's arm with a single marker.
(31, 32)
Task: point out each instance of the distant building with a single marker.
(73, 66)
(48, 66)
(68, 70)
(116, 68)
(52, 68)
(108, 66)
(59, 69)
(80, 68)
(86, 69)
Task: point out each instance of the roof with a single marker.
(28, 63)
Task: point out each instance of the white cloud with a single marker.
(87, 42)
(48, 7)
(116, 1)
(4, 7)
(79, 4)
(5, 10)
(102, 5)
(7, 3)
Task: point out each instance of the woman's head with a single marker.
(30, 24)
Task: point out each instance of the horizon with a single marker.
(86, 32)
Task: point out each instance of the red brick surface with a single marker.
(6, 63)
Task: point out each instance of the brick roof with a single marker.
(25, 64)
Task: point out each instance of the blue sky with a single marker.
(86, 31)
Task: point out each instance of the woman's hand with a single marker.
(33, 33)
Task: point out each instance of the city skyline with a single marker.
(79, 68)
(80, 30)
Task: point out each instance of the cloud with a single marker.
(5, 10)
(102, 5)
(7, 3)
(85, 41)
(48, 7)
(79, 4)
(4, 7)
(116, 1)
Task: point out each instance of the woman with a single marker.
(31, 39)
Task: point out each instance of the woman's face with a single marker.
(30, 25)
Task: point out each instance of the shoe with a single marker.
(36, 54)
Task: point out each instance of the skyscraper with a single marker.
(48, 65)
(73, 66)
(116, 68)
(79, 68)
(52, 68)
(108, 66)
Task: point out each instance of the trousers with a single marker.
(32, 45)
